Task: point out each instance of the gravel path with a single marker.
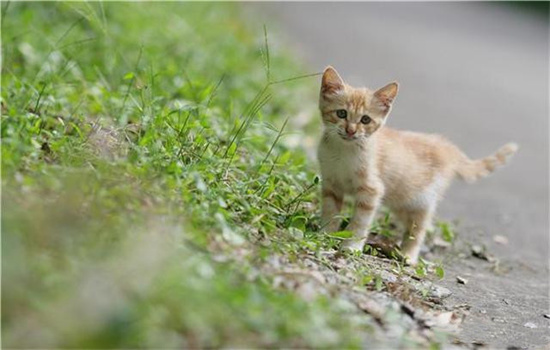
(478, 74)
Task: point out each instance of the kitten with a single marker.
(407, 171)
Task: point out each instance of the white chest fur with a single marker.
(341, 163)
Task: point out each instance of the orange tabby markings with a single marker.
(364, 206)
(407, 171)
(365, 188)
(329, 193)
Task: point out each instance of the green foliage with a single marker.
(383, 225)
(446, 231)
(143, 149)
(341, 234)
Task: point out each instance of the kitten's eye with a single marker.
(365, 119)
(341, 113)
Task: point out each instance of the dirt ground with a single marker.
(478, 74)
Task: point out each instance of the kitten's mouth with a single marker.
(349, 138)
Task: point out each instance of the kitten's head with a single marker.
(353, 113)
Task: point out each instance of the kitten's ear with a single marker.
(331, 82)
(387, 94)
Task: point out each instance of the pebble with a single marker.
(439, 292)
(441, 243)
(461, 280)
(478, 251)
(481, 253)
(530, 325)
(500, 239)
(546, 315)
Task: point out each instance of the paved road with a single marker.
(477, 73)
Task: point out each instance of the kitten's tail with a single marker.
(472, 170)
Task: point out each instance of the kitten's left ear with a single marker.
(387, 94)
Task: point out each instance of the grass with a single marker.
(152, 186)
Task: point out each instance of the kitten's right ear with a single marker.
(386, 95)
(331, 82)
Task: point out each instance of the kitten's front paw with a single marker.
(353, 245)
(411, 259)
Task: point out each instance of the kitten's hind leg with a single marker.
(332, 204)
(418, 222)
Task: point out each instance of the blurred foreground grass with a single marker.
(145, 181)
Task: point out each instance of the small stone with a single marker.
(506, 301)
(440, 243)
(443, 320)
(500, 239)
(461, 280)
(439, 292)
(530, 325)
(481, 253)
(478, 251)
(546, 316)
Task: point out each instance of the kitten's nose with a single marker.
(351, 130)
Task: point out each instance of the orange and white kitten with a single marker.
(407, 171)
